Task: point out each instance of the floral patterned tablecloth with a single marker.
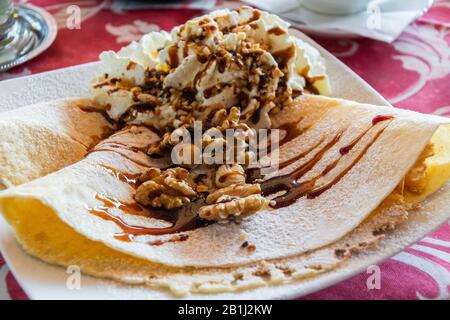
(413, 73)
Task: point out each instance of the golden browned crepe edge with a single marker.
(57, 243)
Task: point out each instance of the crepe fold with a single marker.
(45, 137)
(53, 216)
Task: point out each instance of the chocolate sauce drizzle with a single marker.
(183, 219)
(99, 111)
(186, 218)
(292, 131)
(289, 182)
(295, 190)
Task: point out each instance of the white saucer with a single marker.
(326, 33)
(317, 24)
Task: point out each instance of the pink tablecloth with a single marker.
(413, 73)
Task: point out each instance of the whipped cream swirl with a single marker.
(243, 58)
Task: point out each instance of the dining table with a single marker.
(412, 72)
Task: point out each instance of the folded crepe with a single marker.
(42, 138)
(84, 214)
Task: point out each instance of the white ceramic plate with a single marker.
(43, 281)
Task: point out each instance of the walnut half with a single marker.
(169, 189)
(233, 207)
(234, 190)
(227, 175)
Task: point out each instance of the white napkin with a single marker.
(383, 20)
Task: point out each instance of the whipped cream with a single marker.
(243, 58)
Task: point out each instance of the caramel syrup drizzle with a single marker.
(129, 178)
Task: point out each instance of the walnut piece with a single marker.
(234, 207)
(234, 190)
(227, 175)
(169, 189)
